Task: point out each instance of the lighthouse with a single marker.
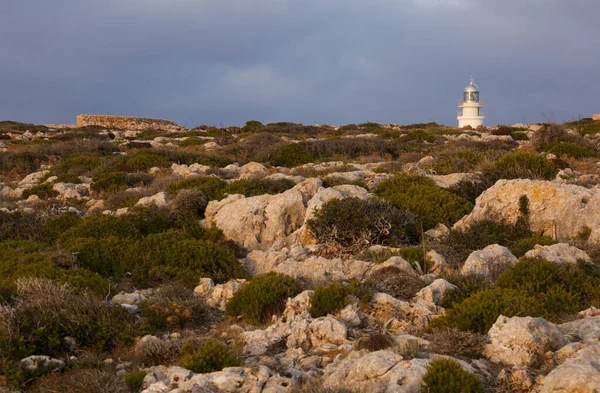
(472, 109)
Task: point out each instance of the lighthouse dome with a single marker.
(472, 88)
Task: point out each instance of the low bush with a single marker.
(467, 286)
(188, 205)
(375, 342)
(252, 126)
(479, 312)
(521, 246)
(262, 298)
(291, 155)
(55, 226)
(154, 351)
(119, 181)
(144, 160)
(77, 165)
(81, 380)
(519, 136)
(419, 136)
(521, 165)
(471, 190)
(212, 187)
(333, 297)
(448, 376)
(46, 312)
(172, 306)
(562, 289)
(192, 141)
(569, 149)
(353, 224)
(351, 148)
(43, 191)
(21, 163)
(134, 380)
(420, 196)
(456, 343)
(172, 255)
(395, 282)
(463, 160)
(207, 356)
(253, 187)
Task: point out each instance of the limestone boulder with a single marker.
(159, 200)
(191, 170)
(556, 209)
(522, 341)
(218, 295)
(41, 362)
(253, 170)
(376, 372)
(586, 330)
(257, 222)
(489, 261)
(559, 253)
(578, 374)
(435, 292)
(451, 180)
(33, 179)
(252, 379)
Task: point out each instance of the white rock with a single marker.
(579, 374)
(218, 295)
(586, 329)
(253, 170)
(35, 362)
(435, 292)
(33, 179)
(436, 262)
(559, 253)
(159, 200)
(440, 232)
(522, 341)
(451, 180)
(489, 261)
(555, 209)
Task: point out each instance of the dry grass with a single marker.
(78, 380)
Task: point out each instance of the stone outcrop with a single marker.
(557, 210)
(218, 295)
(250, 379)
(127, 122)
(578, 374)
(489, 262)
(522, 341)
(587, 329)
(159, 200)
(559, 253)
(258, 222)
(434, 293)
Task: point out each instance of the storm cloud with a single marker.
(222, 62)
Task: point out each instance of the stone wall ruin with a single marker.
(127, 123)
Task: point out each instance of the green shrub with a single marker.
(521, 246)
(208, 356)
(172, 255)
(571, 150)
(77, 165)
(291, 155)
(483, 233)
(22, 162)
(351, 148)
(419, 136)
(420, 196)
(29, 259)
(562, 289)
(467, 286)
(99, 225)
(172, 306)
(192, 141)
(353, 224)
(375, 342)
(463, 160)
(519, 136)
(263, 297)
(43, 191)
(68, 178)
(522, 165)
(479, 312)
(189, 205)
(333, 297)
(144, 160)
(118, 181)
(134, 380)
(470, 190)
(45, 313)
(55, 226)
(448, 376)
(254, 187)
(253, 126)
(212, 187)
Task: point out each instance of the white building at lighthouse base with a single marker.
(471, 115)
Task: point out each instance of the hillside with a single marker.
(304, 259)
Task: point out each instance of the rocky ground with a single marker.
(290, 258)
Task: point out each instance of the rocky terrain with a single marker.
(287, 258)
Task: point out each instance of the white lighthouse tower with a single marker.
(472, 109)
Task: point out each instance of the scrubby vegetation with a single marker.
(353, 224)
(428, 202)
(262, 298)
(112, 285)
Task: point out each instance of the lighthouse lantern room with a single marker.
(472, 109)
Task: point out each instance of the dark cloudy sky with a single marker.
(311, 61)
